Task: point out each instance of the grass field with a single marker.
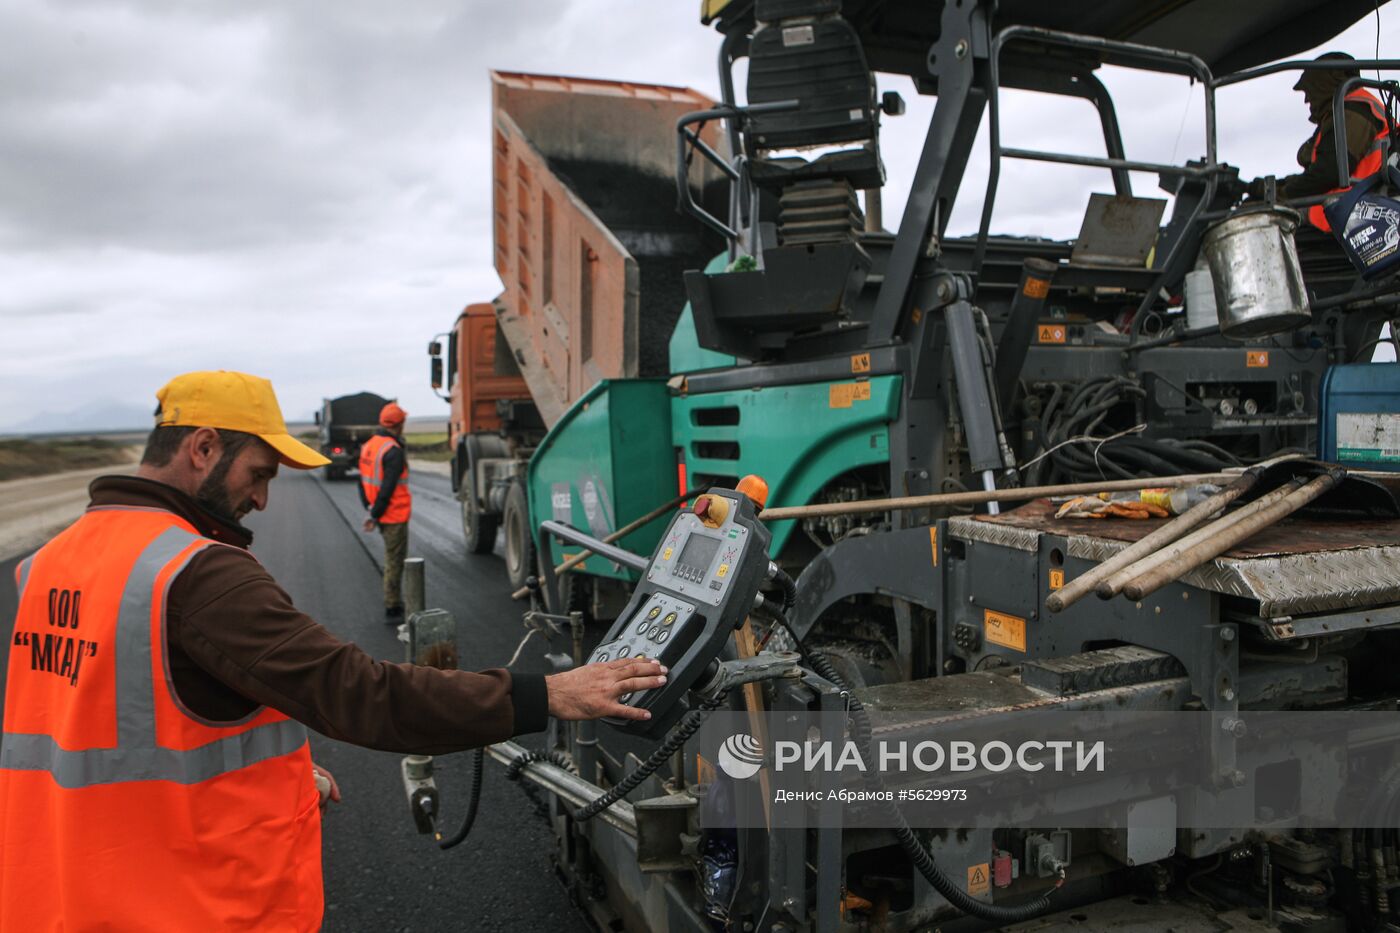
(20, 458)
(428, 445)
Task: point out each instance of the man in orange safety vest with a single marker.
(155, 771)
(384, 491)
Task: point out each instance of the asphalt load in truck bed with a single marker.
(640, 210)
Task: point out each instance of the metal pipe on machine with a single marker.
(1084, 584)
(1015, 340)
(1115, 584)
(567, 786)
(1221, 540)
(1008, 494)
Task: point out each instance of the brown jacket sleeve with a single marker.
(236, 625)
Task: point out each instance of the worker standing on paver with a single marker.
(384, 491)
(155, 772)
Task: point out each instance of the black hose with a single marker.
(478, 760)
(688, 726)
(512, 773)
(918, 854)
(557, 758)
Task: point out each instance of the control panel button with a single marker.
(723, 569)
(711, 510)
(670, 619)
(665, 634)
(655, 630)
(655, 611)
(642, 626)
(626, 698)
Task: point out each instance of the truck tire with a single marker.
(477, 527)
(520, 545)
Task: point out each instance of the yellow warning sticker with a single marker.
(860, 363)
(933, 543)
(842, 394)
(979, 879)
(1256, 359)
(722, 571)
(1057, 579)
(666, 554)
(1005, 630)
(1050, 333)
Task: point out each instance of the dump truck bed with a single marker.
(588, 243)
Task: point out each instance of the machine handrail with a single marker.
(571, 535)
(1344, 179)
(1132, 54)
(686, 138)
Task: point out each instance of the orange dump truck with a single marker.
(590, 250)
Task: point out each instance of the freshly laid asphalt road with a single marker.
(380, 875)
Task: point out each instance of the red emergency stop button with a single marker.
(711, 510)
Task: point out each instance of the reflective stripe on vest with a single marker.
(372, 477)
(1366, 166)
(137, 756)
(122, 809)
(22, 574)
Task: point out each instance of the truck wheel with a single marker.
(520, 547)
(479, 529)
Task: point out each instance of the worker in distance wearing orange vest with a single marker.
(384, 491)
(155, 773)
(1366, 128)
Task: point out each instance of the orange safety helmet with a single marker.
(392, 416)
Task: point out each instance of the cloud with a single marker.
(302, 190)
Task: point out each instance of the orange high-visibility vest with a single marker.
(372, 477)
(121, 809)
(1368, 165)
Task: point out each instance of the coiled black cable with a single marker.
(916, 851)
(478, 764)
(688, 726)
(557, 758)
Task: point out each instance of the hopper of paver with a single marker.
(588, 242)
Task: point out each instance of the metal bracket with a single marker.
(736, 673)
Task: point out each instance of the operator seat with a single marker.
(804, 50)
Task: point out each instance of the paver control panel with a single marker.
(699, 587)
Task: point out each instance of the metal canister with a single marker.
(1200, 300)
(1254, 264)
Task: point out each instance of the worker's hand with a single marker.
(369, 524)
(591, 691)
(325, 785)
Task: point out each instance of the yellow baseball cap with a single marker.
(234, 402)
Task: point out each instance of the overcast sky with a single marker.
(302, 190)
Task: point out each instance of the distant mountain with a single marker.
(98, 416)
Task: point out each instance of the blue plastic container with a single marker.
(1359, 416)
